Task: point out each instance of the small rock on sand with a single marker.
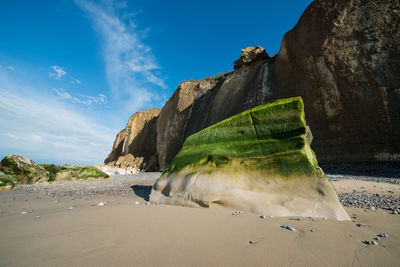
(263, 217)
(288, 227)
(100, 204)
(360, 224)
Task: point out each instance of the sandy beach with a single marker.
(109, 223)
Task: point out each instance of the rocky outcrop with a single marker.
(258, 160)
(249, 56)
(342, 58)
(173, 118)
(135, 145)
(24, 170)
(18, 169)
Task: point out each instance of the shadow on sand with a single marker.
(142, 191)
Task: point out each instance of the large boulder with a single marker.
(136, 145)
(258, 160)
(27, 171)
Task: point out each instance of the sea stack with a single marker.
(258, 160)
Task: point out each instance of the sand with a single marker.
(65, 226)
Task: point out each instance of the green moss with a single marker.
(269, 138)
(53, 170)
(7, 179)
(90, 172)
(9, 163)
(75, 171)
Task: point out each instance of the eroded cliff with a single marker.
(342, 58)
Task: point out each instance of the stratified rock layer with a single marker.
(258, 160)
(136, 145)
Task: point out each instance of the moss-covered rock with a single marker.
(8, 179)
(18, 169)
(258, 160)
(73, 171)
(24, 168)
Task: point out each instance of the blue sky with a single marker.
(72, 72)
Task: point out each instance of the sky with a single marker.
(73, 71)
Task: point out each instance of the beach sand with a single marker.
(64, 225)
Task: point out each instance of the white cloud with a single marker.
(47, 130)
(75, 81)
(58, 72)
(130, 65)
(85, 100)
(11, 67)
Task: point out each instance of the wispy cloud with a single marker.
(83, 99)
(47, 131)
(58, 72)
(130, 64)
(75, 81)
(11, 67)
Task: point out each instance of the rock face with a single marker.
(23, 169)
(135, 145)
(173, 118)
(342, 58)
(258, 160)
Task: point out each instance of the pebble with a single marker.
(251, 242)
(263, 217)
(137, 203)
(237, 212)
(383, 235)
(24, 212)
(288, 228)
(100, 204)
(367, 242)
(37, 216)
(147, 203)
(360, 224)
(371, 201)
(312, 230)
(325, 218)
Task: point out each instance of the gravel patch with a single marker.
(116, 185)
(371, 202)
